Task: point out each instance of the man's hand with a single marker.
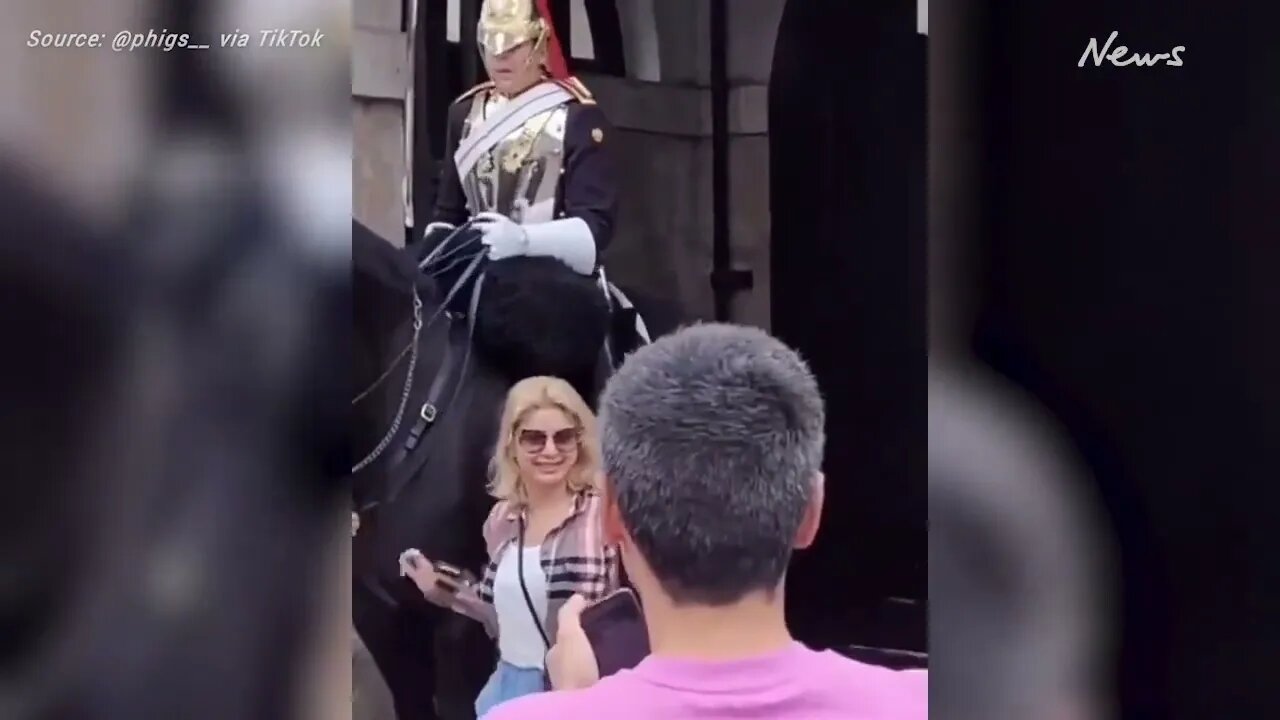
(355, 523)
(571, 663)
(503, 236)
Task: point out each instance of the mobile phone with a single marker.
(450, 571)
(452, 577)
(616, 630)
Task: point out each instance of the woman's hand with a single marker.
(415, 566)
(355, 523)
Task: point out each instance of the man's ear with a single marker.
(611, 520)
(808, 529)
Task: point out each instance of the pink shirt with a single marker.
(794, 684)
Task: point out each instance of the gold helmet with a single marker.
(505, 24)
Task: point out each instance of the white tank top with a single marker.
(519, 642)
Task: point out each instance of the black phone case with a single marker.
(618, 636)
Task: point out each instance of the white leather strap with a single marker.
(623, 302)
(506, 120)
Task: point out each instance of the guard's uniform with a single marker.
(553, 164)
(533, 176)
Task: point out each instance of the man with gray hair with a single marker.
(713, 440)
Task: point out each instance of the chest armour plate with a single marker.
(519, 175)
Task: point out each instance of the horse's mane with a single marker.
(380, 262)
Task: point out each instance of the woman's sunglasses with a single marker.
(533, 441)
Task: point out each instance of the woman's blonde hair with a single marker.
(538, 393)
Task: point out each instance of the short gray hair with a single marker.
(712, 441)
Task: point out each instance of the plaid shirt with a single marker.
(574, 559)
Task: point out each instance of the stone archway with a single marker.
(818, 263)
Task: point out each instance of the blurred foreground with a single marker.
(174, 272)
(1017, 561)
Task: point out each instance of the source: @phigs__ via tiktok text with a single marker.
(165, 40)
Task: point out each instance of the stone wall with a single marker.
(60, 103)
(379, 78)
(664, 240)
(663, 127)
(378, 167)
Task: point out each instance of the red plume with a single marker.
(556, 64)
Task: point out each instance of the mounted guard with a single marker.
(511, 287)
(531, 172)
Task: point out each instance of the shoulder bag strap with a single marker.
(525, 589)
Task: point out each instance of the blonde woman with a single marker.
(543, 535)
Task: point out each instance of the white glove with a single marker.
(568, 240)
(504, 237)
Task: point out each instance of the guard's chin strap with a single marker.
(557, 66)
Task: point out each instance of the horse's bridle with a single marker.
(430, 408)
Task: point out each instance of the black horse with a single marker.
(425, 489)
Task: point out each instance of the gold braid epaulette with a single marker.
(474, 90)
(574, 87)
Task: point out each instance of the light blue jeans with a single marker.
(507, 682)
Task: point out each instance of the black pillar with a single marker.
(847, 182)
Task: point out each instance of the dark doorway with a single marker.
(1140, 308)
(847, 156)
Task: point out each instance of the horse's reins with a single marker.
(426, 416)
(417, 305)
(431, 408)
(432, 259)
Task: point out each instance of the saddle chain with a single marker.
(385, 373)
(427, 262)
(382, 445)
